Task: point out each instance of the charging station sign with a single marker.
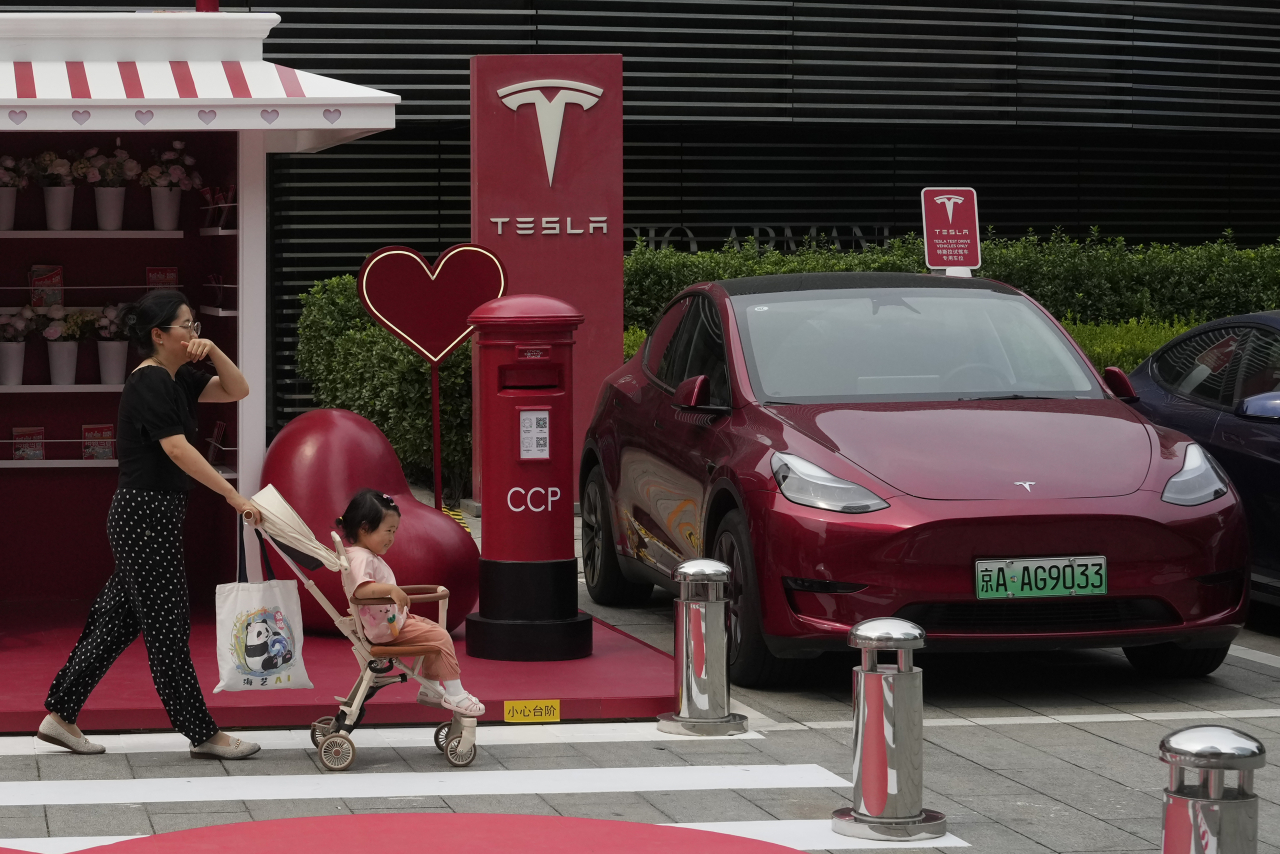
(951, 227)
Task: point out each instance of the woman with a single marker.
(148, 591)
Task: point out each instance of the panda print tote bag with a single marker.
(259, 631)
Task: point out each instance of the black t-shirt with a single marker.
(153, 406)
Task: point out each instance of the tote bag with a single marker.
(259, 631)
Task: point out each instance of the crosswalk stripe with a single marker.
(400, 784)
(812, 835)
(59, 844)
(1254, 655)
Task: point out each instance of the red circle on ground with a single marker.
(528, 834)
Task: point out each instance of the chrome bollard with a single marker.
(1205, 815)
(702, 664)
(888, 739)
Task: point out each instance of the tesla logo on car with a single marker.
(1025, 484)
(950, 202)
(551, 113)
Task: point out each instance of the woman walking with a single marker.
(148, 591)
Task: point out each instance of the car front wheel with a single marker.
(1167, 659)
(605, 582)
(751, 664)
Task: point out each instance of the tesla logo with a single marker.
(950, 202)
(1025, 484)
(551, 113)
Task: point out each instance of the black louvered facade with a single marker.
(1152, 120)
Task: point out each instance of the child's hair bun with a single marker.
(337, 523)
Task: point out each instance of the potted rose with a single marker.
(11, 180)
(108, 176)
(64, 332)
(13, 347)
(167, 177)
(57, 175)
(113, 345)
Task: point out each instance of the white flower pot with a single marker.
(110, 207)
(111, 356)
(8, 203)
(62, 362)
(57, 207)
(12, 356)
(164, 207)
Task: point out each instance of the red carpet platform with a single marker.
(625, 678)
(530, 834)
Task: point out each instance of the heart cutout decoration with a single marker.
(144, 116)
(207, 116)
(332, 116)
(81, 116)
(17, 116)
(427, 306)
(269, 116)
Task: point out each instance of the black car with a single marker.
(1220, 384)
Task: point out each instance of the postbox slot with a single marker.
(528, 376)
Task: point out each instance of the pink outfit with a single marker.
(412, 629)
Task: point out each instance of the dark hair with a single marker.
(365, 513)
(157, 309)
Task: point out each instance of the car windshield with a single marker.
(868, 344)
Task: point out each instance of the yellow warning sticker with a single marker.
(531, 711)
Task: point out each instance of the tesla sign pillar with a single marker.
(951, 229)
(546, 196)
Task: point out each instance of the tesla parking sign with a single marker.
(950, 227)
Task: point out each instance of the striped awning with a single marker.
(138, 83)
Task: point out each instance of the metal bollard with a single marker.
(702, 664)
(888, 739)
(1206, 815)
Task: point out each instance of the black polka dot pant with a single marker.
(147, 593)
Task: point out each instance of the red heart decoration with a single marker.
(427, 306)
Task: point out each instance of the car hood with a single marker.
(988, 449)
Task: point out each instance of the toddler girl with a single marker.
(369, 524)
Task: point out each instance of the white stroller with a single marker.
(291, 537)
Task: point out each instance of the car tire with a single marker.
(1167, 659)
(606, 585)
(751, 664)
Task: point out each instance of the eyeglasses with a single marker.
(190, 326)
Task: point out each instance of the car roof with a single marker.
(789, 282)
(1270, 318)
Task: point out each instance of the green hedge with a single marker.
(1098, 284)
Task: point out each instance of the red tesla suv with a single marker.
(859, 445)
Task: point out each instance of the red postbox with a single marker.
(524, 409)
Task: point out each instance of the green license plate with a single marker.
(1032, 577)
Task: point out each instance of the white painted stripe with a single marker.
(8, 85)
(295, 739)
(1190, 714)
(303, 786)
(210, 79)
(1255, 655)
(813, 834)
(51, 80)
(104, 81)
(264, 82)
(60, 844)
(157, 80)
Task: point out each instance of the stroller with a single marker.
(291, 537)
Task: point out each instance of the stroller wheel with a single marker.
(320, 729)
(442, 736)
(337, 752)
(454, 754)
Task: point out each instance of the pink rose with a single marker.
(188, 160)
(196, 180)
(52, 333)
(177, 173)
(93, 176)
(169, 155)
(163, 181)
(57, 312)
(18, 324)
(154, 171)
(185, 183)
(121, 154)
(97, 162)
(91, 152)
(132, 169)
(179, 145)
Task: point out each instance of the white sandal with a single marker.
(467, 705)
(431, 693)
(51, 733)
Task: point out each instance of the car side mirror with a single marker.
(1263, 406)
(693, 393)
(1118, 382)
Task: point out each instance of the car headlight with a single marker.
(1199, 482)
(804, 483)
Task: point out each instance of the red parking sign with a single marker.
(950, 227)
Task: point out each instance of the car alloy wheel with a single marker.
(726, 551)
(592, 535)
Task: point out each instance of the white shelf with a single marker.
(226, 471)
(217, 232)
(60, 464)
(56, 389)
(83, 235)
(219, 312)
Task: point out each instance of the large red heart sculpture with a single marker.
(426, 307)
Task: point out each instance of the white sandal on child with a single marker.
(431, 693)
(466, 705)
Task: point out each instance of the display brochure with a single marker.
(97, 442)
(46, 286)
(162, 277)
(218, 430)
(28, 443)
